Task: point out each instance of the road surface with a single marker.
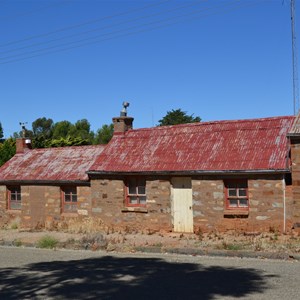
(27, 273)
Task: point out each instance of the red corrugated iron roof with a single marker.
(51, 164)
(241, 145)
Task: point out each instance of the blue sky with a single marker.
(70, 60)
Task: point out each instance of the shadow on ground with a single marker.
(127, 278)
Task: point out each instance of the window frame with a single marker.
(14, 190)
(138, 195)
(234, 185)
(71, 194)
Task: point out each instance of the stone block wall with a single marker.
(208, 203)
(8, 218)
(266, 202)
(108, 204)
(41, 208)
(102, 205)
(295, 157)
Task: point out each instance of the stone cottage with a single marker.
(240, 175)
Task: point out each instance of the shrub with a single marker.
(14, 226)
(17, 243)
(47, 242)
(233, 247)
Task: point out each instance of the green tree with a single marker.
(1, 131)
(104, 134)
(42, 127)
(28, 134)
(7, 150)
(82, 129)
(62, 129)
(177, 116)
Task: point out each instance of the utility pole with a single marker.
(295, 60)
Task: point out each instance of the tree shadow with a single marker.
(127, 278)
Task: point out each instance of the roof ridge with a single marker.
(210, 122)
(67, 147)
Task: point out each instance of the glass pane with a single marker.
(70, 208)
(142, 199)
(133, 200)
(233, 202)
(18, 197)
(74, 198)
(141, 190)
(242, 193)
(67, 198)
(243, 203)
(232, 192)
(15, 205)
(13, 196)
(132, 190)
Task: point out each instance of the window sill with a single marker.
(236, 212)
(14, 211)
(69, 215)
(135, 209)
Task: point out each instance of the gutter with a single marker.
(193, 172)
(45, 182)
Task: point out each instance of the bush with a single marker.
(14, 226)
(47, 242)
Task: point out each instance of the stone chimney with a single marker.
(123, 123)
(22, 145)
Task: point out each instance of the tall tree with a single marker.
(177, 116)
(1, 131)
(62, 129)
(42, 127)
(104, 134)
(7, 150)
(82, 129)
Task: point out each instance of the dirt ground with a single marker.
(272, 242)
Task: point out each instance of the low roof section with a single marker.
(63, 164)
(254, 145)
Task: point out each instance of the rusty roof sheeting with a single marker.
(256, 144)
(295, 130)
(51, 164)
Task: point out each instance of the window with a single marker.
(14, 197)
(136, 192)
(236, 194)
(69, 199)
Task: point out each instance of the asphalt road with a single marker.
(27, 273)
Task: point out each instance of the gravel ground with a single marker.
(275, 245)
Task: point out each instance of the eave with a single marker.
(45, 182)
(188, 173)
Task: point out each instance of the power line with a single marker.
(118, 36)
(99, 28)
(84, 24)
(34, 10)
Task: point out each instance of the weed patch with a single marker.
(47, 242)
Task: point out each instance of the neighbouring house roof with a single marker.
(51, 164)
(295, 130)
(222, 146)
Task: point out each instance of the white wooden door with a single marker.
(182, 204)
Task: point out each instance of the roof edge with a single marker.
(44, 182)
(194, 172)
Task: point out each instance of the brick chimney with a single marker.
(22, 145)
(123, 123)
